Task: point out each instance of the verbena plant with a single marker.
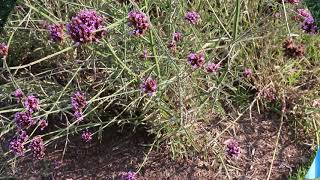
(172, 67)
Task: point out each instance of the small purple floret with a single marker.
(18, 94)
(233, 149)
(3, 50)
(192, 17)
(196, 60)
(78, 101)
(86, 136)
(149, 86)
(139, 21)
(43, 124)
(213, 67)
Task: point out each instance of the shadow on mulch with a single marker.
(122, 151)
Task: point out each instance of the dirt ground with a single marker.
(120, 152)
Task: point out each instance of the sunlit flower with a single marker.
(86, 26)
(139, 21)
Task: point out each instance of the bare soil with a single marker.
(122, 151)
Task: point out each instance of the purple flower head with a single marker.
(31, 103)
(196, 60)
(17, 144)
(139, 21)
(86, 26)
(233, 149)
(129, 176)
(56, 32)
(78, 114)
(309, 25)
(78, 101)
(3, 50)
(17, 147)
(177, 36)
(192, 17)
(18, 94)
(212, 67)
(247, 72)
(149, 86)
(43, 124)
(37, 147)
(304, 13)
(23, 119)
(86, 136)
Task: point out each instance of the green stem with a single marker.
(236, 20)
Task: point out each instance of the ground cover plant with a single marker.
(159, 89)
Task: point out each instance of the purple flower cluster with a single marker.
(139, 21)
(196, 60)
(213, 67)
(56, 32)
(3, 50)
(149, 86)
(17, 144)
(309, 25)
(23, 119)
(176, 37)
(233, 149)
(78, 103)
(129, 176)
(304, 13)
(18, 94)
(192, 17)
(31, 103)
(37, 147)
(86, 136)
(86, 26)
